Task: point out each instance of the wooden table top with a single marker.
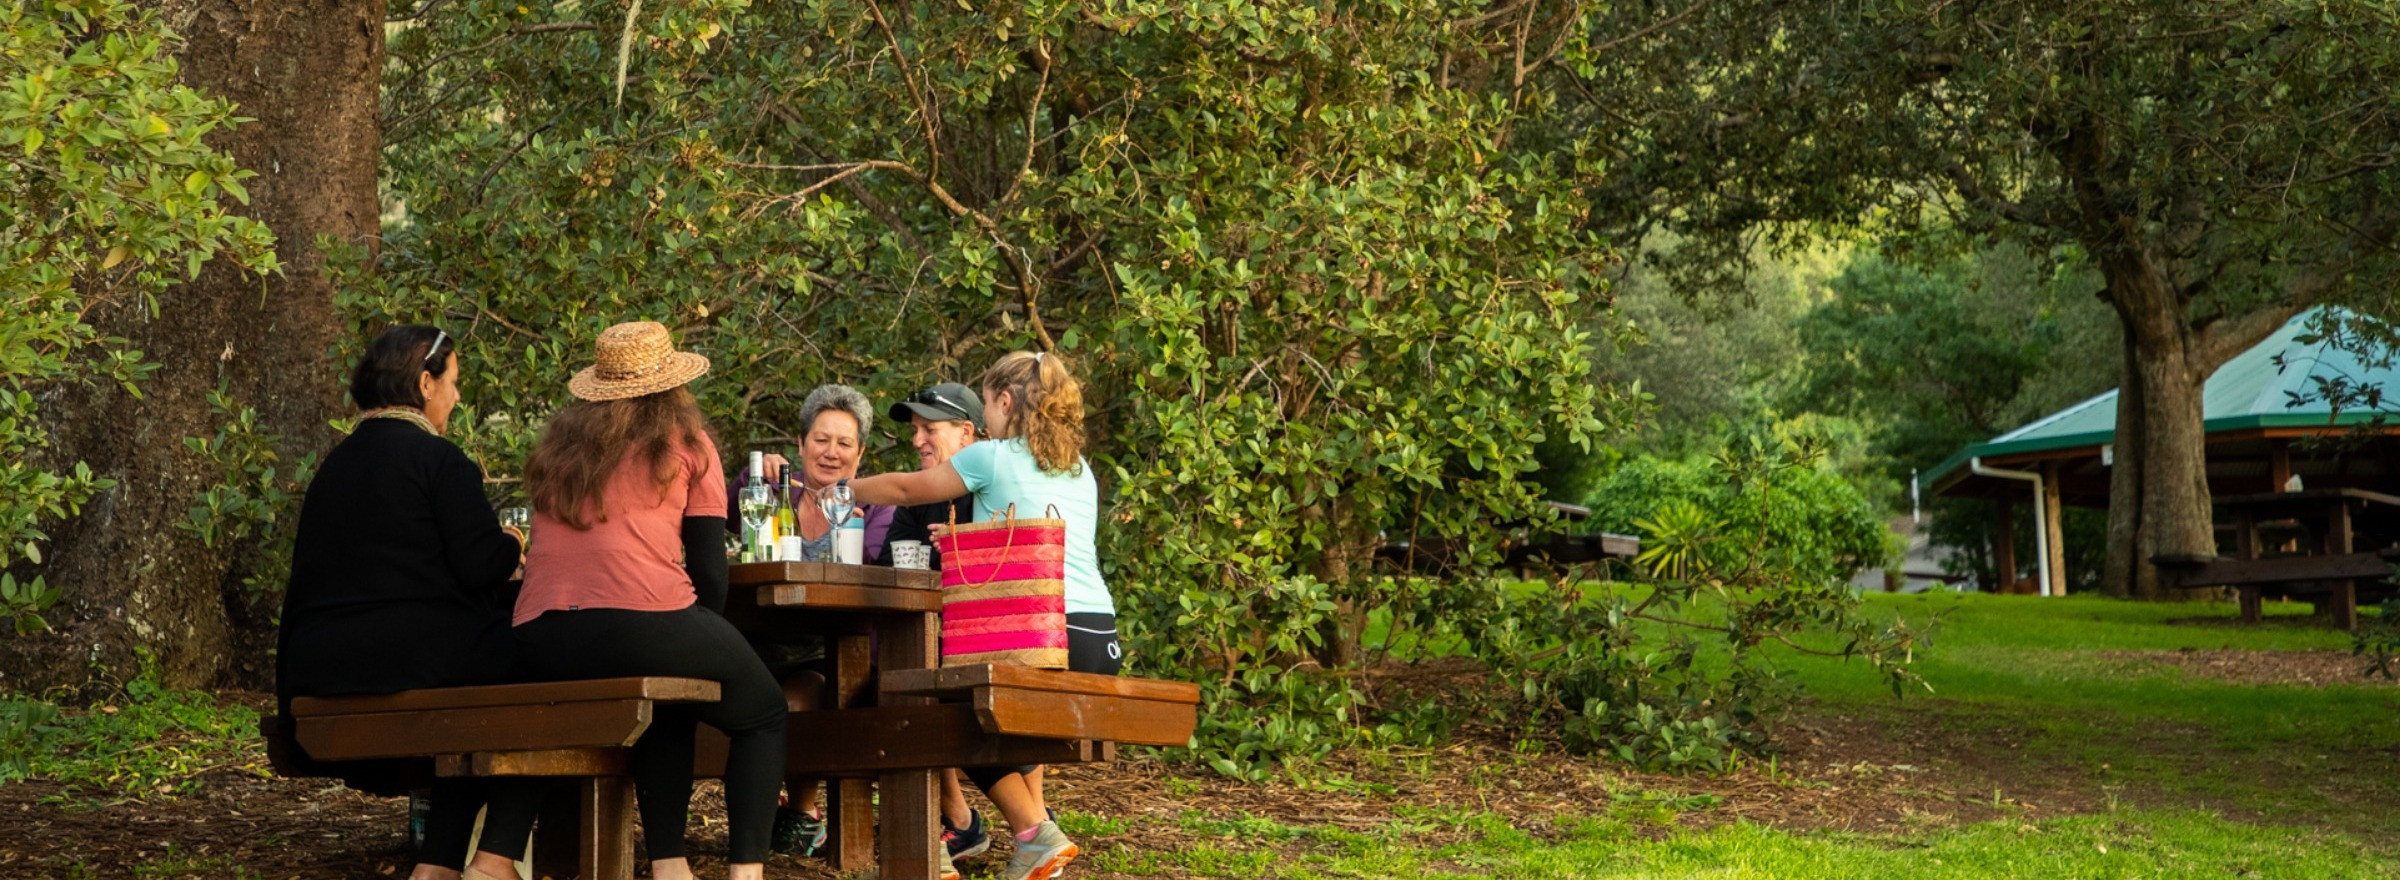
(832, 586)
(2306, 496)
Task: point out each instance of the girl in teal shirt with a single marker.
(1034, 410)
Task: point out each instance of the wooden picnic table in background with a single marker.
(2322, 542)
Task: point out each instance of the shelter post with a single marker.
(2344, 599)
(2056, 546)
(2279, 465)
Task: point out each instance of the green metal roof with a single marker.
(2253, 390)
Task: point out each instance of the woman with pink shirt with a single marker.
(627, 578)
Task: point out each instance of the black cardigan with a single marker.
(400, 571)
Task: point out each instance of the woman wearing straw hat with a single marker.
(629, 580)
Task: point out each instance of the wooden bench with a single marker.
(1014, 707)
(569, 729)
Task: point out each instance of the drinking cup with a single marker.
(916, 555)
(850, 544)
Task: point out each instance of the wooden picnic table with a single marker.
(2328, 541)
(873, 620)
(896, 718)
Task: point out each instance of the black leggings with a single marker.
(691, 643)
(1091, 647)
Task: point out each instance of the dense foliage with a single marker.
(2221, 164)
(1955, 347)
(1804, 521)
(109, 198)
(1326, 289)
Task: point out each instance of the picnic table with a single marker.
(2321, 543)
(873, 620)
(895, 719)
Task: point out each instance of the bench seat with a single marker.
(575, 729)
(505, 717)
(1021, 701)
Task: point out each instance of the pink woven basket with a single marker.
(1004, 592)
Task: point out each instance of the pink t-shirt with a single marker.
(632, 558)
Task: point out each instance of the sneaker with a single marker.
(942, 868)
(968, 842)
(1042, 857)
(796, 833)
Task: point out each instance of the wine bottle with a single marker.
(757, 504)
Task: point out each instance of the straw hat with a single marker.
(636, 358)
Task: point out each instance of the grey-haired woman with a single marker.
(833, 429)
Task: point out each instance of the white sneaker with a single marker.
(1042, 857)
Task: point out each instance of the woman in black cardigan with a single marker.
(400, 571)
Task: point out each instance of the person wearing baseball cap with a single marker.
(942, 420)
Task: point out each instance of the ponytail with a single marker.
(1046, 408)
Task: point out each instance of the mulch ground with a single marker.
(2297, 668)
(1835, 772)
(287, 828)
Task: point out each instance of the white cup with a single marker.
(789, 547)
(850, 545)
(916, 555)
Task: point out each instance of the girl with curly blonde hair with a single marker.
(1033, 407)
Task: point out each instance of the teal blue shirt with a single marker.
(1002, 472)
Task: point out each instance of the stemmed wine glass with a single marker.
(834, 502)
(757, 503)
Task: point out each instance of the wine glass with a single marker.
(757, 503)
(834, 502)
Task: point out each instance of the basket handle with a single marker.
(1011, 513)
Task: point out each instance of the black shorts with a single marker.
(1092, 644)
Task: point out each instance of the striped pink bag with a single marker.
(1004, 592)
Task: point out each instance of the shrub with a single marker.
(1806, 521)
(111, 196)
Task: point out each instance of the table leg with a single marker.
(850, 803)
(910, 831)
(910, 827)
(2338, 542)
(850, 824)
(585, 830)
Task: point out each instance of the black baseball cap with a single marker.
(947, 402)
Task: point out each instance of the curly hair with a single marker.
(1045, 408)
(580, 449)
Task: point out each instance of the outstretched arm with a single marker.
(942, 483)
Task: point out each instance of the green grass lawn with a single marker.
(2184, 775)
(2132, 844)
(2035, 669)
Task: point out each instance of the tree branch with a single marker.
(925, 107)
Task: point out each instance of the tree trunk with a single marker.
(307, 72)
(1342, 562)
(2164, 437)
(2120, 574)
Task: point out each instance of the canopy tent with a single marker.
(2253, 407)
